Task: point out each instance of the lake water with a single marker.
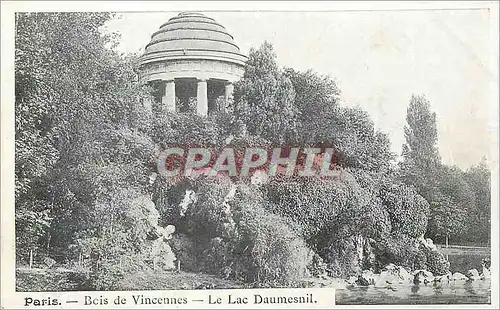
(478, 292)
(461, 259)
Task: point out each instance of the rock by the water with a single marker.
(404, 275)
(473, 275)
(400, 274)
(443, 279)
(390, 267)
(423, 276)
(339, 284)
(392, 274)
(352, 280)
(457, 276)
(385, 279)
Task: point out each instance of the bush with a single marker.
(349, 256)
(433, 260)
(313, 204)
(401, 250)
(278, 255)
(437, 263)
(221, 258)
(48, 280)
(187, 130)
(240, 239)
(316, 266)
(408, 211)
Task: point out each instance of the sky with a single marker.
(379, 59)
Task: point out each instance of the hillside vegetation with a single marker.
(88, 195)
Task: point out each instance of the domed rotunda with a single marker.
(191, 57)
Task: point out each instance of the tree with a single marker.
(264, 97)
(479, 216)
(323, 122)
(446, 217)
(444, 188)
(316, 97)
(408, 211)
(79, 124)
(420, 152)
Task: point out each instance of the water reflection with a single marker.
(442, 293)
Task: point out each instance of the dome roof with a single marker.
(192, 36)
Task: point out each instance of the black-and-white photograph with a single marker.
(233, 149)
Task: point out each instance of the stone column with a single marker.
(169, 99)
(228, 93)
(202, 98)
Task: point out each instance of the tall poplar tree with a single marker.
(422, 168)
(420, 152)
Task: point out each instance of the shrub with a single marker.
(241, 239)
(36, 280)
(277, 253)
(399, 249)
(220, 258)
(437, 263)
(432, 260)
(326, 210)
(316, 266)
(408, 211)
(311, 203)
(349, 256)
(187, 130)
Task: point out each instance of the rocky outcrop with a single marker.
(423, 277)
(457, 276)
(392, 275)
(443, 279)
(473, 275)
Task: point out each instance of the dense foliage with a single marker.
(458, 205)
(81, 148)
(88, 193)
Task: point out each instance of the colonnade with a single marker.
(201, 95)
